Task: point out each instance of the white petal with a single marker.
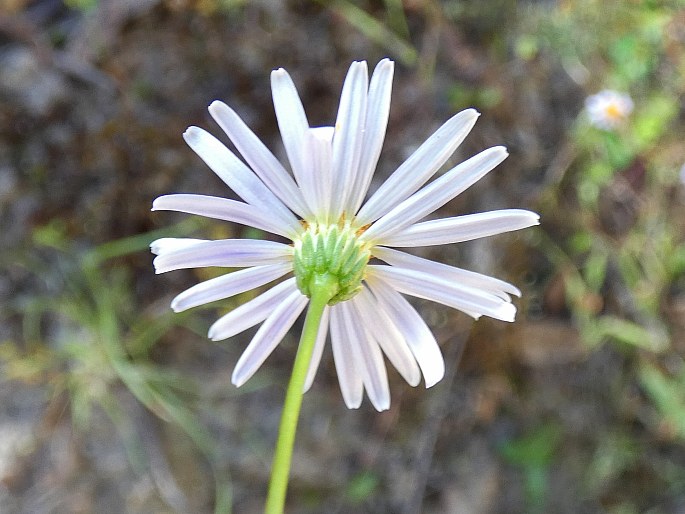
(368, 358)
(349, 134)
(316, 180)
(437, 193)
(446, 272)
(420, 339)
(461, 228)
(227, 253)
(420, 166)
(377, 112)
(229, 285)
(386, 335)
(236, 175)
(435, 288)
(351, 385)
(251, 313)
(225, 209)
(292, 120)
(319, 345)
(167, 245)
(258, 156)
(269, 335)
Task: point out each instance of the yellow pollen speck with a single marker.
(613, 111)
(361, 230)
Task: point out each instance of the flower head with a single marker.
(608, 109)
(320, 208)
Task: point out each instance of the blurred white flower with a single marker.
(608, 109)
(320, 208)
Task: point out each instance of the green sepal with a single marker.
(332, 250)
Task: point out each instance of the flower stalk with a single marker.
(323, 288)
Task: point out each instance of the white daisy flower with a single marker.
(320, 208)
(608, 109)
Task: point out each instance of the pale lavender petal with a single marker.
(420, 339)
(349, 135)
(225, 209)
(319, 345)
(386, 334)
(420, 166)
(236, 175)
(437, 193)
(292, 120)
(267, 338)
(435, 288)
(461, 228)
(251, 313)
(259, 157)
(368, 358)
(446, 272)
(229, 285)
(316, 179)
(351, 385)
(377, 112)
(227, 253)
(167, 245)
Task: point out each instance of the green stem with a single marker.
(322, 289)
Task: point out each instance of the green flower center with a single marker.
(332, 250)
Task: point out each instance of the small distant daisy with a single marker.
(320, 208)
(608, 109)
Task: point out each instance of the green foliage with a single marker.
(668, 394)
(98, 341)
(534, 454)
(615, 453)
(82, 5)
(612, 328)
(391, 36)
(361, 486)
(622, 257)
(461, 96)
(625, 269)
(652, 120)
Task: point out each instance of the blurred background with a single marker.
(112, 403)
